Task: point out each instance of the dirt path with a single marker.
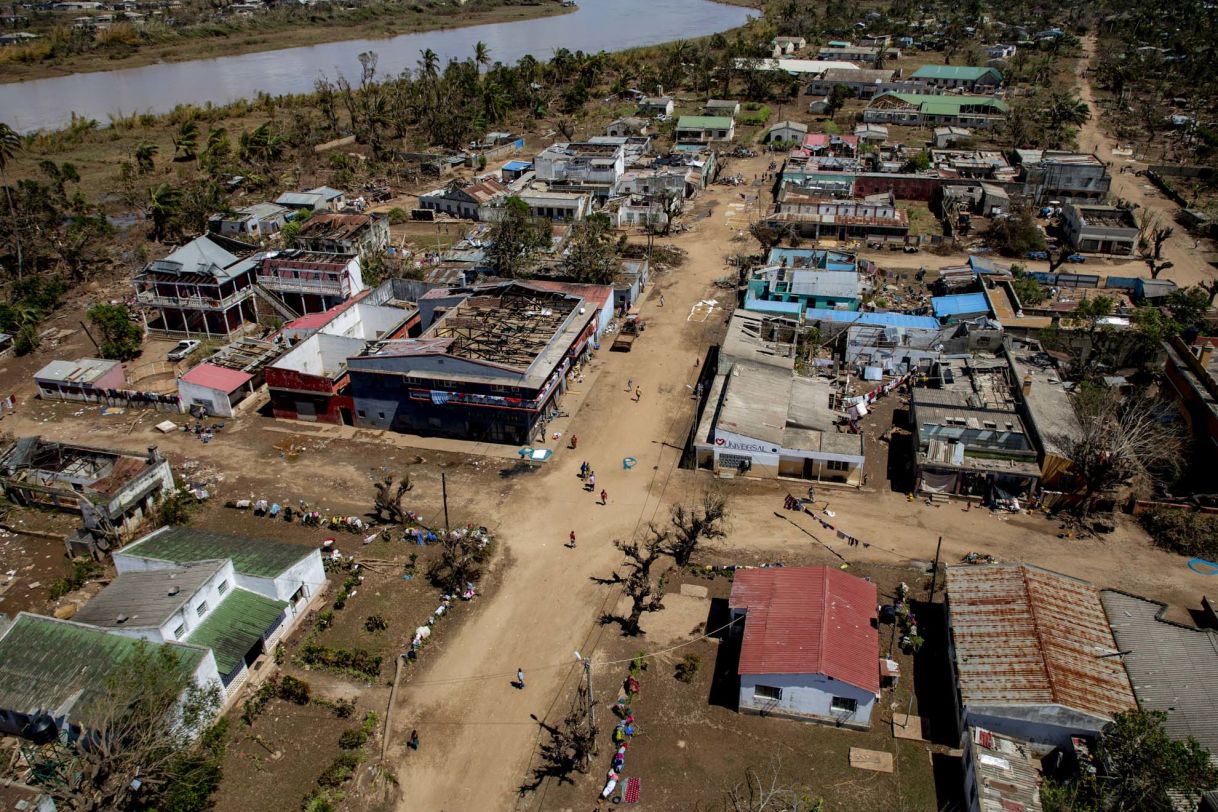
(1192, 264)
(476, 730)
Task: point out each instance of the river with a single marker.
(597, 25)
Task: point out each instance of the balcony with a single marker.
(151, 298)
(340, 286)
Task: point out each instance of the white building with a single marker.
(259, 220)
(810, 646)
(583, 165)
(561, 207)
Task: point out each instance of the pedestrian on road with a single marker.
(583, 470)
(592, 481)
(629, 384)
(413, 743)
(661, 300)
(520, 679)
(571, 543)
(1196, 244)
(604, 497)
(638, 394)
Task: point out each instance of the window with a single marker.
(767, 692)
(179, 631)
(841, 703)
(223, 587)
(201, 609)
(838, 465)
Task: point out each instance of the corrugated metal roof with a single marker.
(146, 598)
(235, 626)
(1173, 668)
(1027, 636)
(960, 304)
(808, 620)
(965, 72)
(59, 665)
(222, 379)
(872, 319)
(185, 545)
(1007, 773)
(82, 370)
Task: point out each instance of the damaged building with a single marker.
(112, 490)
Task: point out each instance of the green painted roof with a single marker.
(946, 105)
(965, 72)
(185, 545)
(49, 664)
(234, 626)
(704, 123)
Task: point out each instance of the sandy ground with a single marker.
(1192, 264)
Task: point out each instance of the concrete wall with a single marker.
(214, 401)
(1040, 724)
(129, 506)
(807, 696)
(188, 617)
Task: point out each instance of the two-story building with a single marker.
(1100, 229)
(309, 281)
(461, 199)
(203, 289)
(1062, 176)
(581, 166)
(926, 110)
(331, 233)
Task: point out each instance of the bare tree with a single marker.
(462, 553)
(388, 504)
(570, 745)
(690, 525)
(139, 737)
(767, 793)
(1120, 438)
(645, 595)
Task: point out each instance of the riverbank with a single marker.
(388, 20)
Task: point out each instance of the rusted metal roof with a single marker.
(808, 620)
(1027, 636)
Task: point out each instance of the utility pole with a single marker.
(444, 491)
(591, 698)
(934, 573)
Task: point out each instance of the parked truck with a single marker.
(631, 327)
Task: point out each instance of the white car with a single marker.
(182, 349)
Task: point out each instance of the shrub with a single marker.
(375, 623)
(341, 770)
(120, 337)
(1186, 532)
(688, 667)
(175, 510)
(344, 708)
(325, 620)
(82, 570)
(397, 216)
(357, 660)
(254, 706)
(294, 690)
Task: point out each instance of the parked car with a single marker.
(182, 349)
(1037, 255)
(1076, 258)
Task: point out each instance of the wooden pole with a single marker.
(444, 491)
(934, 573)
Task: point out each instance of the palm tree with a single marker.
(163, 204)
(482, 54)
(428, 63)
(186, 142)
(10, 142)
(144, 153)
(495, 102)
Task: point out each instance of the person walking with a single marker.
(592, 482)
(638, 394)
(571, 543)
(604, 497)
(520, 679)
(413, 742)
(629, 384)
(661, 300)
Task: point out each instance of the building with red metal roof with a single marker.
(810, 644)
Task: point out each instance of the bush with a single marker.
(341, 770)
(82, 570)
(294, 690)
(120, 337)
(1187, 532)
(688, 667)
(357, 660)
(175, 510)
(325, 620)
(375, 623)
(253, 707)
(397, 216)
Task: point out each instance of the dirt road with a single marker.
(477, 733)
(1192, 264)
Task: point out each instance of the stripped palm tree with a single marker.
(10, 142)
